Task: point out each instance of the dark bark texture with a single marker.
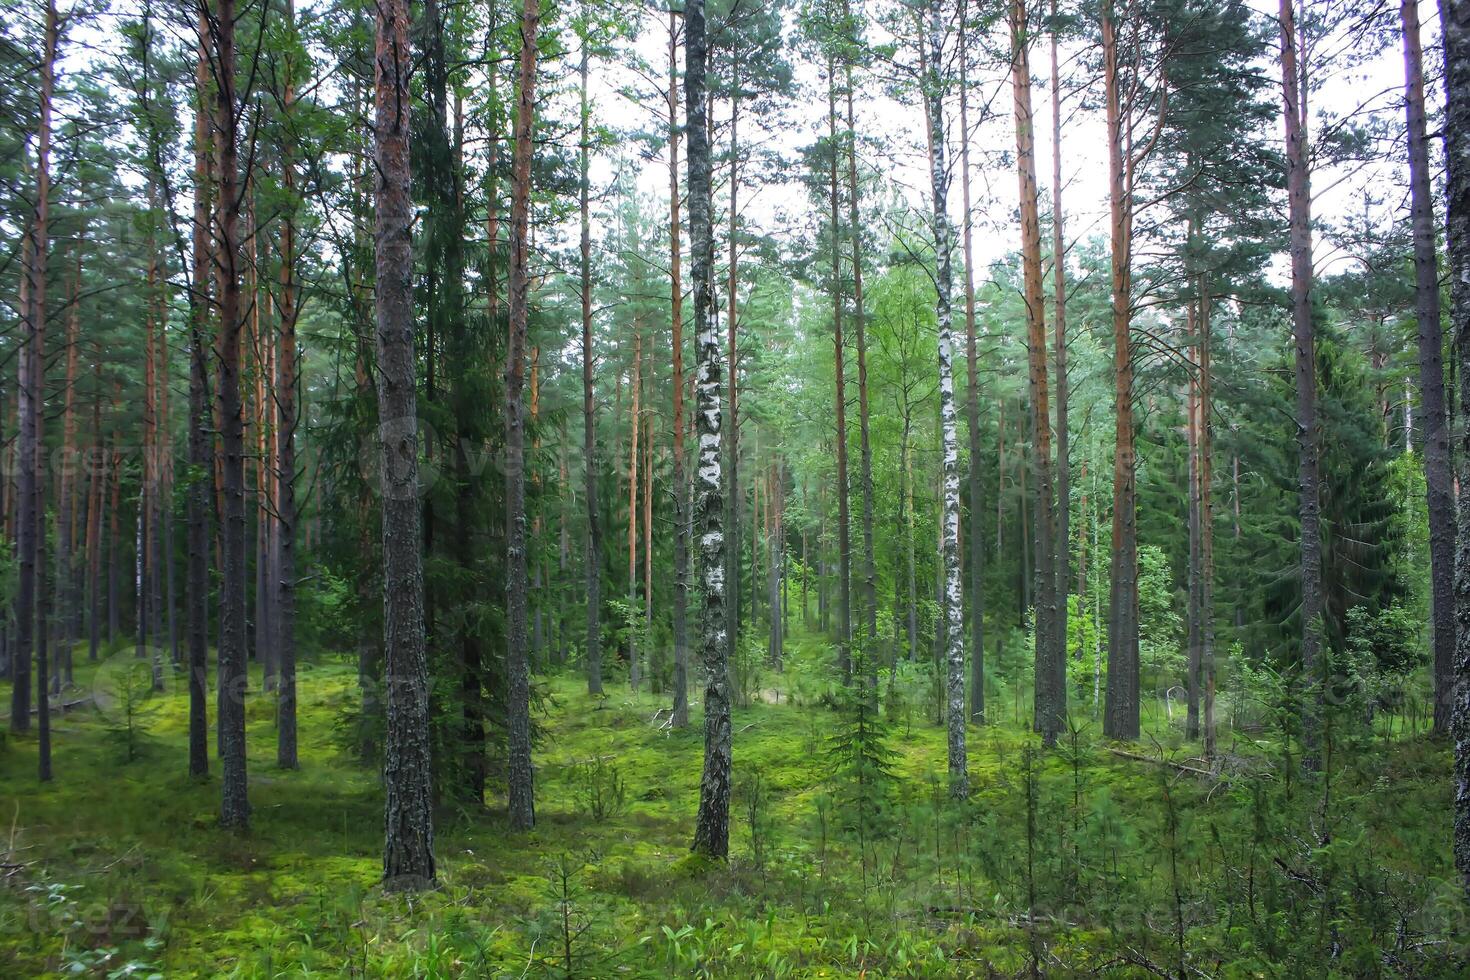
(1299, 195)
(522, 801)
(1439, 484)
(408, 852)
(234, 805)
(1455, 24)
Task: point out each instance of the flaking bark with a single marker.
(408, 853)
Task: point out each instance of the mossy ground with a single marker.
(1130, 867)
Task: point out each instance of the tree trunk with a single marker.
(234, 805)
(1299, 193)
(593, 549)
(680, 717)
(31, 392)
(712, 824)
(844, 536)
(635, 425)
(1455, 24)
(263, 342)
(775, 651)
(1120, 715)
(859, 323)
(959, 779)
(1439, 484)
(522, 799)
(408, 853)
(1207, 520)
(1059, 331)
(286, 382)
(732, 425)
(97, 467)
(66, 489)
(114, 536)
(200, 424)
(976, 489)
(150, 493)
(906, 503)
(1051, 664)
(38, 421)
(648, 545)
(1191, 428)
(166, 498)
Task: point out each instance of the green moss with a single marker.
(124, 862)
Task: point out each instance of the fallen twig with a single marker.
(1195, 770)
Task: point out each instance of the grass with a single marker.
(118, 868)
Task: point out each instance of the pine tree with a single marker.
(201, 455)
(974, 478)
(1455, 26)
(235, 808)
(408, 854)
(1439, 487)
(522, 793)
(1051, 670)
(592, 552)
(1299, 191)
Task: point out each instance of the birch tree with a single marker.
(712, 823)
(933, 86)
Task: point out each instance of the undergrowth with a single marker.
(848, 858)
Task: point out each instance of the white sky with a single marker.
(765, 201)
(1376, 84)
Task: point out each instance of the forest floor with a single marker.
(1075, 861)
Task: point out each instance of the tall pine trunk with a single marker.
(286, 383)
(860, 331)
(408, 851)
(1455, 24)
(234, 805)
(66, 515)
(1120, 715)
(775, 646)
(522, 801)
(1439, 485)
(1299, 195)
(30, 626)
(593, 546)
(1059, 333)
(1207, 519)
(839, 371)
(635, 427)
(1193, 578)
(97, 468)
(972, 408)
(196, 588)
(1050, 662)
